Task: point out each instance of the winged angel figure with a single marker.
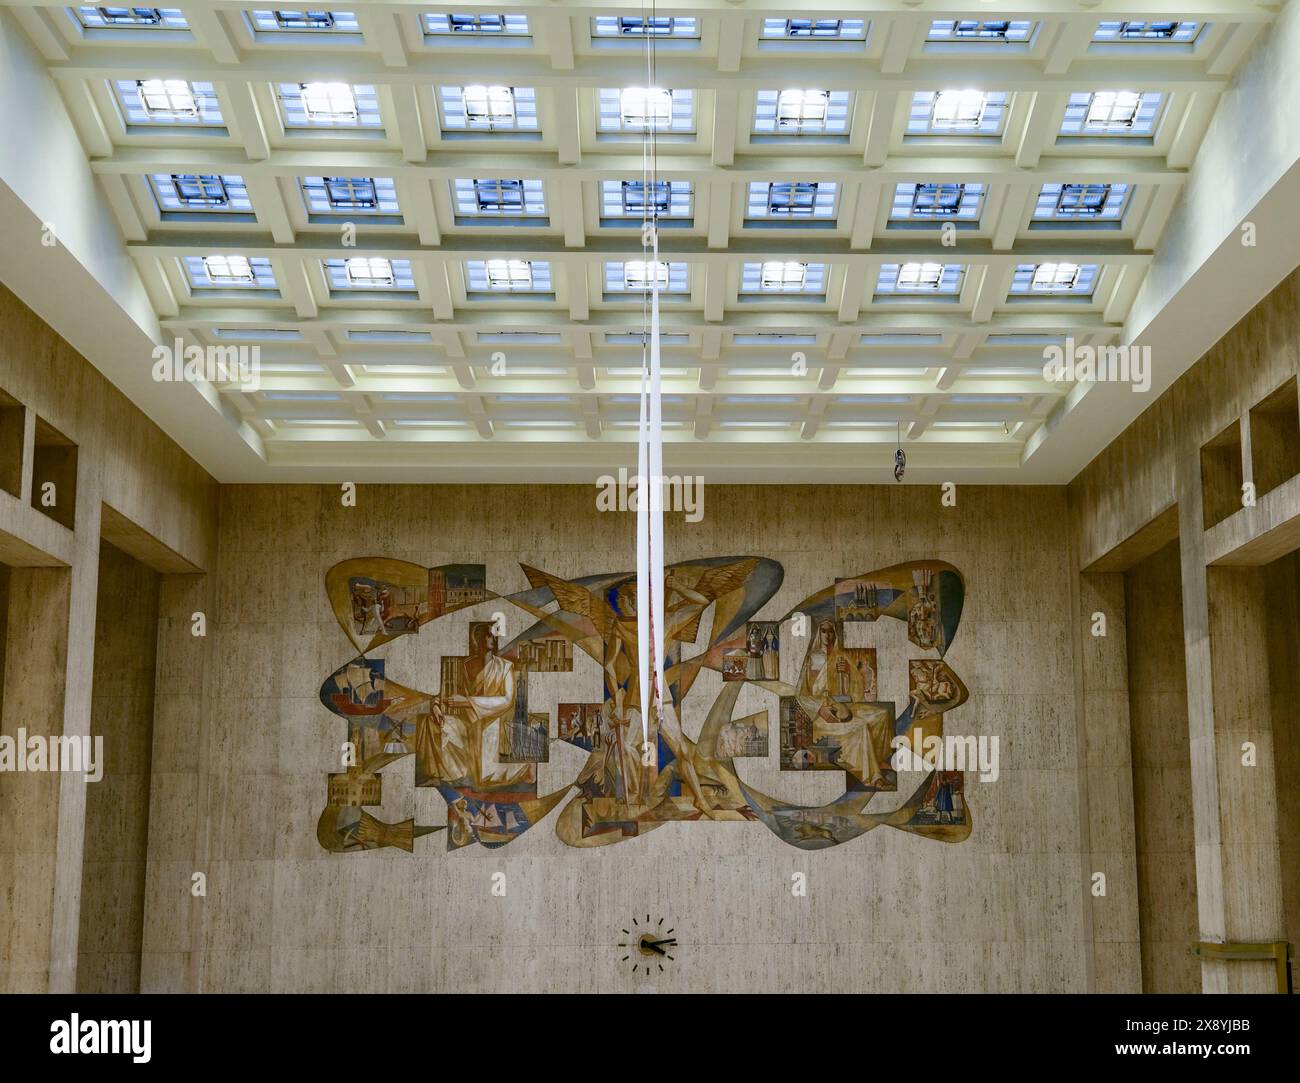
(639, 774)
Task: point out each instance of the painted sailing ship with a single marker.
(364, 694)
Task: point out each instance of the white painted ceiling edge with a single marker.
(1203, 280)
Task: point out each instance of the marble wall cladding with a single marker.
(888, 911)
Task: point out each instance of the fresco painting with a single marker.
(479, 737)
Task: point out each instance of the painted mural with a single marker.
(479, 737)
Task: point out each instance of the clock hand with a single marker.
(671, 943)
(655, 948)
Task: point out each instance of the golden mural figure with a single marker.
(829, 718)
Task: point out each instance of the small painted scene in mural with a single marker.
(479, 737)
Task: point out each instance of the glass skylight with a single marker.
(1038, 279)
(957, 112)
(783, 276)
(814, 29)
(640, 199)
(636, 276)
(1111, 112)
(329, 105)
(508, 275)
(168, 102)
(271, 21)
(1181, 32)
(350, 195)
(475, 25)
(942, 279)
(937, 202)
(200, 192)
(369, 273)
(662, 26)
(791, 199)
(498, 198)
(1080, 202)
(977, 30)
(229, 272)
(112, 18)
(801, 112)
(641, 109)
(482, 108)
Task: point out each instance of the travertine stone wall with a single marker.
(117, 806)
(1282, 579)
(132, 484)
(1162, 775)
(1003, 911)
(1153, 473)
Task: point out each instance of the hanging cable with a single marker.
(650, 553)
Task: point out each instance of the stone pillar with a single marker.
(35, 661)
(1107, 836)
(173, 925)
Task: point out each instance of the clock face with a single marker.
(647, 945)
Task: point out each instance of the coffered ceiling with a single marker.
(429, 222)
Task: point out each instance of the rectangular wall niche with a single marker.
(54, 474)
(1221, 475)
(11, 444)
(1275, 438)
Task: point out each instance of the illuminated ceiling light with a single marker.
(328, 101)
(638, 274)
(490, 103)
(1109, 108)
(167, 98)
(1055, 276)
(645, 107)
(798, 107)
(508, 274)
(959, 108)
(920, 276)
(228, 268)
(369, 271)
(783, 275)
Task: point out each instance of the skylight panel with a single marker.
(783, 276)
(481, 25)
(202, 192)
(937, 202)
(643, 109)
(509, 275)
(274, 21)
(168, 102)
(1111, 112)
(795, 112)
(637, 276)
(481, 108)
(980, 30)
(791, 199)
(1081, 202)
(370, 273)
(329, 105)
(638, 199)
(350, 195)
(814, 29)
(219, 272)
(1147, 32)
(115, 18)
(934, 279)
(498, 197)
(957, 112)
(1054, 279)
(661, 26)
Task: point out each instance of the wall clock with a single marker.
(647, 945)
